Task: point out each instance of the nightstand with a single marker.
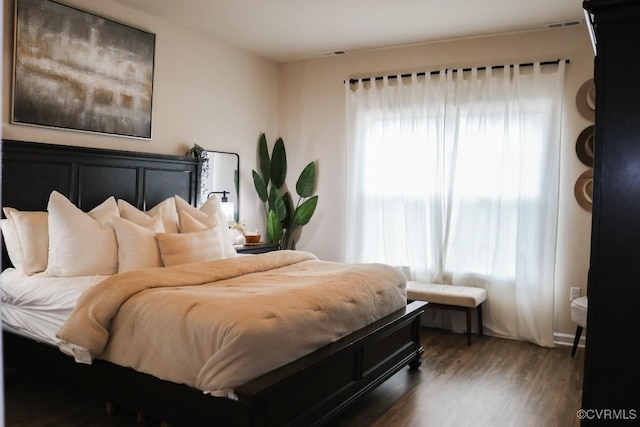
(256, 249)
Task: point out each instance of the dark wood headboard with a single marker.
(88, 176)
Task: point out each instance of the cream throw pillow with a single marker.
(33, 234)
(186, 248)
(28, 249)
(12, 243)
(189, 224)
(137, 245)
(81, 244)
(166, 210)
(210, 215)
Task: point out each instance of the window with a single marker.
(454, 177)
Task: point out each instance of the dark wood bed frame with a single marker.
(308, 391)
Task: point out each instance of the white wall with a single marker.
(205, 92)
(312, 123)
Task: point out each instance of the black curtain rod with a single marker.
(424, 73)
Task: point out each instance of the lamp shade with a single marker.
(227, 208)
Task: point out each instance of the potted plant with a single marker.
(198, 152)
(283, 218)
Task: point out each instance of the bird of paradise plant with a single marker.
(283, 218)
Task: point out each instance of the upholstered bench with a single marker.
(450, 297)
(579, 307)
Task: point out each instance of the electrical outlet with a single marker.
(575, 293)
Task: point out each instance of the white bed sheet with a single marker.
(36, 306)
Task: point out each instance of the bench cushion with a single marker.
(436, 293)
(579, 311)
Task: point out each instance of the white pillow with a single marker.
(81, 244)
(11, 242)
(185, 248)
(210, 213)
(137, 245)
(189, 224)
(27, 239)
(165, 210)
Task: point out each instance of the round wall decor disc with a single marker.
(585, 146)
(586, 100)
(584, 190)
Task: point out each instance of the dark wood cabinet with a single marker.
(612, 357)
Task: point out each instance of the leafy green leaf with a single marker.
(304, 212)
(261, 187)
(265, 163)
(304, 186)
(278, 164)
(277, 204)
(285, 240)
(274, 228)
(288, 204)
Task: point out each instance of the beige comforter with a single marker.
(219, 324)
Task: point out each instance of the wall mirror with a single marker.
(220, 175)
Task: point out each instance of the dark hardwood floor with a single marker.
(493, 382)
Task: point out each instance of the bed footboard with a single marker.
(314, 388)
(309, 391)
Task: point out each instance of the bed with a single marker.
(309, 390)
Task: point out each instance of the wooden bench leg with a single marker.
(576, 340)
(468, 312)
(480, 326)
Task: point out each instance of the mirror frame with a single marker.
(207, 185)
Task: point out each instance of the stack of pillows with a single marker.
(114, 237)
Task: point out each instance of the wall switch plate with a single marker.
(575, 293)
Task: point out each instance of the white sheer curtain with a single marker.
(453, 176)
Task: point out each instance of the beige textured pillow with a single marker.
(12, 243)
(80, 244)
(29, 249)
(209, 213)
(165, 210)
(131, 213)
(185, 248)
(137, 245)
(189, 224)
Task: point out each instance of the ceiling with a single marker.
(290, 30)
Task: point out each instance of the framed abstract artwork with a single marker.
(79, 71)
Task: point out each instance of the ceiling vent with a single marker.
(334, 53)
(563, 24)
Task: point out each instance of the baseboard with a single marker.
(567, 339)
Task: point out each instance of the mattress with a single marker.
(37, 306)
